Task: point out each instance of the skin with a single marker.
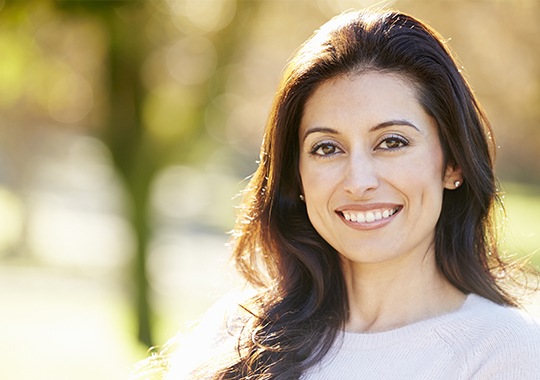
(373, 176)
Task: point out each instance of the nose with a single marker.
(361, 176)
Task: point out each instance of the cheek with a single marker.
(319, 185)
(317, 180)
(426, 166)
(420, 180)
(426, 180)
(308, 175)
(304, 176)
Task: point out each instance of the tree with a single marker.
(137, 154)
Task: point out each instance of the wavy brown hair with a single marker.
(302, 302)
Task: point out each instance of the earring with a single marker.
(302, 198)
(457, 184)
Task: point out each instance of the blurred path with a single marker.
(56, 326)
(76, 323)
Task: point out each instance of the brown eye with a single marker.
(393, 142)
(325, 149)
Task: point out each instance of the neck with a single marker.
(385, 296)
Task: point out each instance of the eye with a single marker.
(325, 148)
(393, 142)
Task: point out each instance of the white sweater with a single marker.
(481, 340)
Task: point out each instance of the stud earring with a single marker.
(457, 184)
(302, 198)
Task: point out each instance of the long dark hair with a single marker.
(302, 302)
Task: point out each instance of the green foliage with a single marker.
(95, 5)
(522, 230)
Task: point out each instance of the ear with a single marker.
(453, 177)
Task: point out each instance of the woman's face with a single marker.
(372, 168)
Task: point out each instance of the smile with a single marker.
(369, 216)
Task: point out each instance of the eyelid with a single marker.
(318, 144)
(321, 143)
(394, 136)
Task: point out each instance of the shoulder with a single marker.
(213, 340)
(484, 321)
(494, 341)
(504, 321)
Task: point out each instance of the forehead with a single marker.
(367, 97)
(363, 86)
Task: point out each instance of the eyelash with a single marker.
(400, 139)
(403, 142)
(319, 145)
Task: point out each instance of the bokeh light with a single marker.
(170, 133)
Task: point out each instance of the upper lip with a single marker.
(365, 207)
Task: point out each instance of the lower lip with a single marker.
(369, 225)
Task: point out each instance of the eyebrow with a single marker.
(382, 125)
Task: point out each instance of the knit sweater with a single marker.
(481, 340)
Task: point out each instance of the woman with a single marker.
(367, 230)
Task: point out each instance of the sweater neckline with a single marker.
(408, 333)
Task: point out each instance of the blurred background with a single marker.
(127, 129)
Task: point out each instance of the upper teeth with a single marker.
(369, 216)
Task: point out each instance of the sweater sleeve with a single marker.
(511, 353)
(518, 363)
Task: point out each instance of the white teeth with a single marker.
(370, 216)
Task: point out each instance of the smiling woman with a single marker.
(367, 230)
(384, 179)
(382, 165)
